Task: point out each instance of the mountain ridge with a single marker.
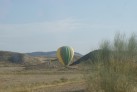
(91, 56)
(26, 59)
(48, 54)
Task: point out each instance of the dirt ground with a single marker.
(17, 79)
(68, 87)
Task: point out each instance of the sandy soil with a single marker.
(16, 79)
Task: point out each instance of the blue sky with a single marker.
(45, 25)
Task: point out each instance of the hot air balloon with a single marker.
(65, 55)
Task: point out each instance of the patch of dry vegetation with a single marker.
(15, 79)
(115, 69)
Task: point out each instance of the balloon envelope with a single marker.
(65, 55)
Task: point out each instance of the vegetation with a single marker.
(115, 67)
(112, 68)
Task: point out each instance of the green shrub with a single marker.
(117, 69)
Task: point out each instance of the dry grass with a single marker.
(117, 77)
(116, 69)
(17, 79)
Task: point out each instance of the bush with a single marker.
(116, 71)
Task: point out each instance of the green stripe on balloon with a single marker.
(69, 55)
(64, 54)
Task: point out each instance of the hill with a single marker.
(19, 58)
(14, 57)
(92, 56)
(34, 58)
(48, 54)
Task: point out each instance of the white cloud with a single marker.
(52, 26)
(48, 26)
(58, 26)
(30, 29)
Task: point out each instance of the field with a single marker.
(110, 69)
(19, 79)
